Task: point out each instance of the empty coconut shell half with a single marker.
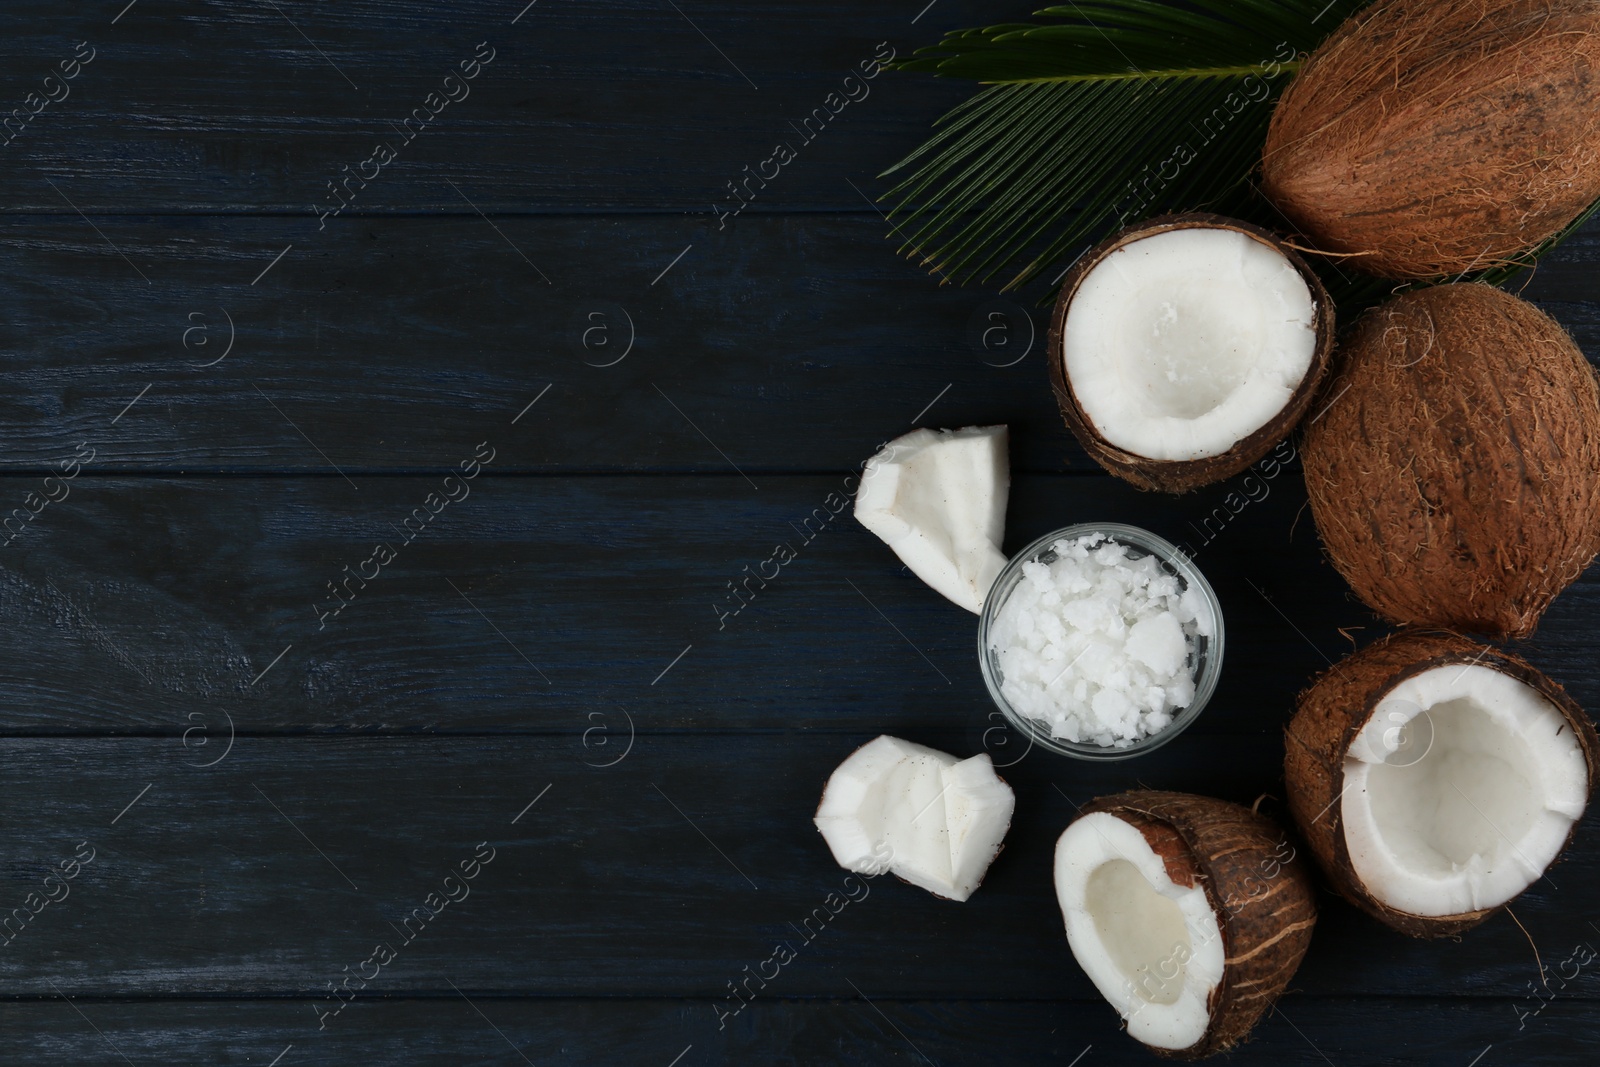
(1189, 914)
(1454, 471)
(1435, 778)
(1428, 138)
(1184, 348)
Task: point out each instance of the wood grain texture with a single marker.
(137, 602)
(663, 875)
(235, 107)
(1308, 1032)
(449, 1030)
(799, 342)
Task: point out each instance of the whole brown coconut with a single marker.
(1181, 476)
(1441, 756)
(1427, 138)
(1454, 474)
(1258, 890)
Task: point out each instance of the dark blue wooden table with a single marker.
(392, 398)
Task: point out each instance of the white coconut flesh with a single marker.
(934, 820)
(938, 498)
(1180, 345)
(1152, 948)
(1460, 791)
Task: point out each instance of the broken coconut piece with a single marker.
(1184, 348)
(938, 498)
(1435, 778)
(935, 821)
(1189, 914)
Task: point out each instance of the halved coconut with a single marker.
(1189, 915)
(935, 821)
(938, 498)
(1184, 348)
(1435, 778)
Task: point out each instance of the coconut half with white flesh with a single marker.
(1183, 349)
(938, 498)
(932, 819)
(1436, 778)
(1189, 914)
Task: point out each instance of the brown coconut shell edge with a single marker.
(1333, 710)
(1225, 847)
(1181, 476)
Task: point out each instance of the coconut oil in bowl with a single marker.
(1101, 641)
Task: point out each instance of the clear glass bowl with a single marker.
(1205, 659)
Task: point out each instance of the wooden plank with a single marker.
(794, 343)
(1564, 285)
(137, 602)
(618, 104)
(457, 1028)
(663, 875)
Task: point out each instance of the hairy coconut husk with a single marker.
(1227, 849)
(1454, 473)
(1336, 707)
(1180, 476)
(1427, 138)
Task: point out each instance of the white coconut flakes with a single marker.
(1099, 645)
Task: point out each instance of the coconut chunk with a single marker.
(1460, 791)
(851, 813)
(978, 808)
(916, 825)
(935, 821)
(938, 498)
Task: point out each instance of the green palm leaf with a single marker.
(1116, 111)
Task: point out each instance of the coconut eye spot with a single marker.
(1143, 932)
(1180, 345)
(1468, 801)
